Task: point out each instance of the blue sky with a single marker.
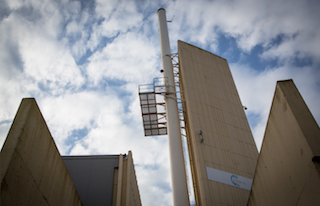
(83, 62)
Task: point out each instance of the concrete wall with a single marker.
(127, 186)
(287, 172)
(212, 105)
(103, 180)
(93, 177)
(32, 171)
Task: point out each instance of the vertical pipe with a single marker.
(178, 172)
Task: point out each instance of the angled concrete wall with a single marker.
(127, 186)
(104, 180)
(133, 194)
(225, 146)
(32, 170)
(93, 177)
(288, 167)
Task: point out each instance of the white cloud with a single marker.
(131, 57)
(42, 58)
(118, 17)
(250, 22)
(154, 185)
(286, 36)
(257, 89)
(41, 41)
(74, 111)
(300, 46)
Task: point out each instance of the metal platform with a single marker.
(153, 107)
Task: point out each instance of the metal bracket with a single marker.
(201, 136)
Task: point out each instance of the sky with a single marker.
(83, 61)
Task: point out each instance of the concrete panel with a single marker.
(103, 180)
(130, 195)
(32, 171)
(93, 177)
(212, 105)
(133, 195)
(287, 165)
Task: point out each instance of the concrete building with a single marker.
(225, 166)
(222, 150)
(104, 179)
(34, 173)
(223, 155)
(288, 169)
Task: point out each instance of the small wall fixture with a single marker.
(201, 137)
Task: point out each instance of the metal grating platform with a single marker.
(152, 108)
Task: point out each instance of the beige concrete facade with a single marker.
(288, 169)
(218, 133)
(32, 171)
(126, 192)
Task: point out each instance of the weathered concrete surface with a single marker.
(93, 177)
(104, 180)
(32, 170)
(132, 193)
(126, 186)
(212, 106)
(286, 172)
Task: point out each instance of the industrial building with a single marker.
(223, 156)
(221, 147)
(226, 168)
(225, 165)
(200, 98)
(104, 179)
(34, 173)
(222, 151)
(288, 169)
